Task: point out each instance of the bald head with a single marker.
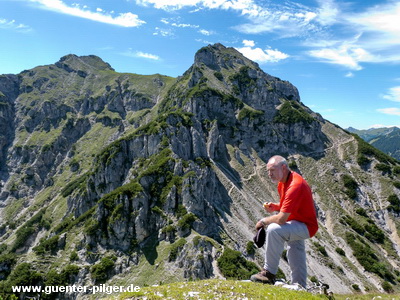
(277, 160)
(278, 169)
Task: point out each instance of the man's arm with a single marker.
(281, 218)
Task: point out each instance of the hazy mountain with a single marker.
(386, 139)
(125, 178)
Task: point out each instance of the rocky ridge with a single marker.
(127, 178)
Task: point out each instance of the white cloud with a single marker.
(283, 23)
(260, 55)
(141, 54)
(372, 35)
(175, 22)
(182, 25)
(394, 111)
(204, 42)
(376, 31)
(276, 55)
(12, 25)
(167, 5)
(124, 19)
(349, 75)
(147, 55)
(346, 54)
(163, 32)
(247, 7)
(393, 94)
(249, 43)
(206, 32)
(379, 31)
(327, 13)
(380, 19)
(285, 19)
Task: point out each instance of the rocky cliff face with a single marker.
(129, 178)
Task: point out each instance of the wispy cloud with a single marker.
(13, 25)
(165, 32)
(377, 38)
(260, 55)
(345, 55)
(206, 32)
(245, 6)
(333, 33)
(394, 111)
(147, 55)
(123, 19)
(140, 54)
(183, 25)
(206, 42)
(381, 20)
(286, 20)
(177, 23)
(283, 24)
(171, 25)
(393, 94)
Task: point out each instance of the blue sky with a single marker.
(343, 56)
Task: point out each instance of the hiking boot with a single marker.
(264, 276)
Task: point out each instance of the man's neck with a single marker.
(286, 177)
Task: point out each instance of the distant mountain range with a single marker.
(386, 139)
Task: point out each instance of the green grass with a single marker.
(249, 112)
(218, 289)
(368, 297)
(231, 289)
(291, 112)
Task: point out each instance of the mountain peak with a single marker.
(218, 56)
(72, 62)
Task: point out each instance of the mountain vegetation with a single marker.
(386, 139)
(233, 289)
(117, 178)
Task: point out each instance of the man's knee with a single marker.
(273, 227)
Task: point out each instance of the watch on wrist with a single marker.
(262, 222)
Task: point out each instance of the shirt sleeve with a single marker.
(275, 207)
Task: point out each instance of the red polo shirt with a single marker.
(296, 199)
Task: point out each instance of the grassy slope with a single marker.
(231, 289)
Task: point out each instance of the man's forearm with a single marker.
(269, 220)
(281, 218)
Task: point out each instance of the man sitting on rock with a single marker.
(295, 221)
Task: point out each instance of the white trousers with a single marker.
(293, 233)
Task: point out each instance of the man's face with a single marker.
(275, 172)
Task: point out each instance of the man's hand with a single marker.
(260, 224)
(281, 218)
(268, 207)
